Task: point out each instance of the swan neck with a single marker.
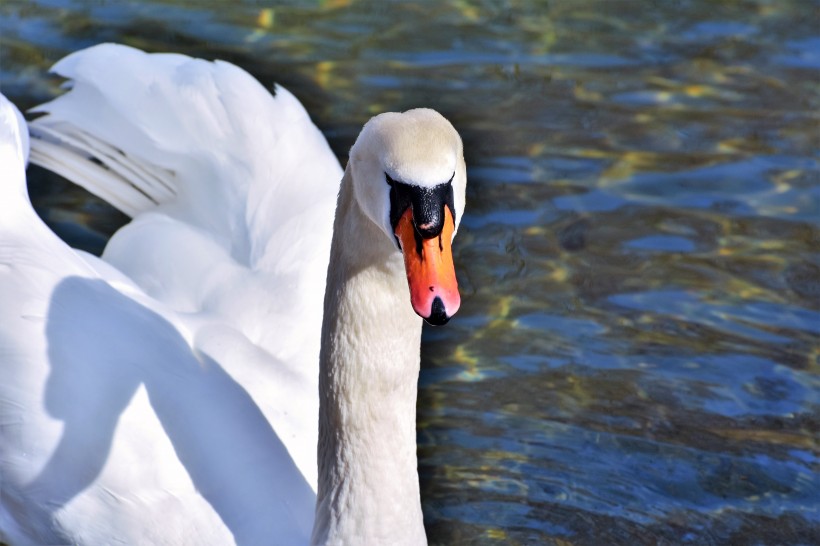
(369, 364)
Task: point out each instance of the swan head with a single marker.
(409, 178)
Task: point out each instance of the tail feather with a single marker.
(155, 181)
(127, 184)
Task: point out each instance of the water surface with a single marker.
(637, 357)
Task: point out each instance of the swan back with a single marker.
(130, 375)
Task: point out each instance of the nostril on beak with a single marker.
(438, 315)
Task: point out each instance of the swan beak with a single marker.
(431, 274)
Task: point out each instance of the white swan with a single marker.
(167, 394)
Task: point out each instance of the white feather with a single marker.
(167, 393)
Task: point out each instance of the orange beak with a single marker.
(431, 274)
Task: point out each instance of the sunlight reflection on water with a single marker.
(636, 360)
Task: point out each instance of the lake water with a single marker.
(637, 358)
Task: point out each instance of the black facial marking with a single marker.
(428, 206)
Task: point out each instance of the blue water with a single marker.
(637, 358)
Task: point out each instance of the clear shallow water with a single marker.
(637, 359)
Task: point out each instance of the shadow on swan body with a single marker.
(167, 393)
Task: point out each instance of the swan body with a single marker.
(167, 393)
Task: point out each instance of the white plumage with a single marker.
(167, 394)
